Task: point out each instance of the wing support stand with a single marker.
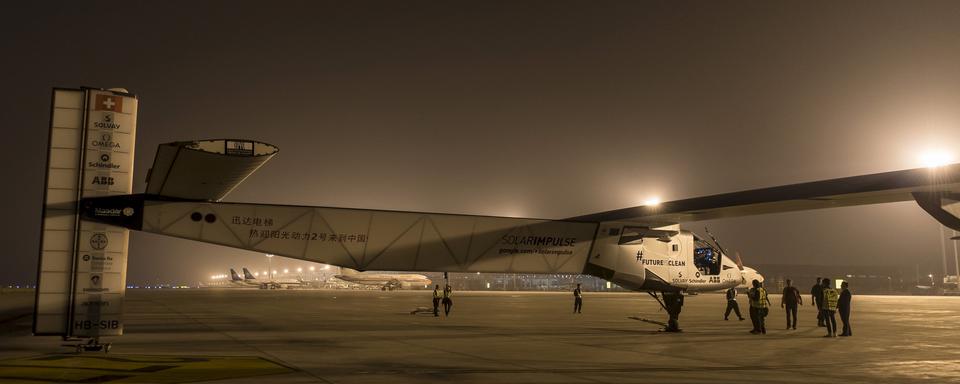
(92, 345)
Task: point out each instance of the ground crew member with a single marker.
(577, 299)
(447, 301)
(789, 300)
(437, 295)
(843, 306)
(759, 303)
(732, 304)
(816, 294)
(674, 303)
(830, 299)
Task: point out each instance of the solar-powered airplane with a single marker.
(639, 248)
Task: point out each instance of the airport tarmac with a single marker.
(289, 336)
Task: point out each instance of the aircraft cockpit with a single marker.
(705, 257)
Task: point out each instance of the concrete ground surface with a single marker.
(506, 337)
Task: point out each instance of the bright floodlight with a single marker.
(933, 159)
(312, 268)
(269, 255)
(255, 274)
(652, 201)
(299, 269)
(285, 270)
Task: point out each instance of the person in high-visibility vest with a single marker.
(830, 299)
(759, 305)
(437, 295)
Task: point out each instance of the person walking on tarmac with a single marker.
(437, 295)
(577, 299)
(759, 303)
(830, 299)
(843, 306)
(732, 304)
(789, 300)
(816, 294)
(674, 303)
(447, 300)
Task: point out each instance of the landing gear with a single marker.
(672, 303)
(92, 345)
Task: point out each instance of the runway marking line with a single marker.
(120, 368)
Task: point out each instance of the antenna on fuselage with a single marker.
(717, 243)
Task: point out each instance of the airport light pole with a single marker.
(933, 159)
(943, 252)
(270, 266)
(956, 260)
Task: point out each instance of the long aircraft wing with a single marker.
(201, 173)
(937, 190)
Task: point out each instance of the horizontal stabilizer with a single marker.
(205, 170)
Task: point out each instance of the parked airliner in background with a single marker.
(386, 281)
(268, 283)
(236, 280)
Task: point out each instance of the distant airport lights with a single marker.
(652, 201)
(935, 158)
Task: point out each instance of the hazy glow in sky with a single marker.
(531, 109)
(935, 158)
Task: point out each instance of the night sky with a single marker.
(538, 109)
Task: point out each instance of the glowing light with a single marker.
(652, 201)
(285, 270)
(299, 269)
(326, 267)
(935, 158)
(269, 255)
(312, 268)
(255, 274)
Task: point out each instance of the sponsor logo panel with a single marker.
(116, 182)
(102, 241)
(98, 160)
(99, 261)
(100, 140)
(102, 303)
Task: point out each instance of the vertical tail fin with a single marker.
(247, 275)
(234, 276)
(81, 275)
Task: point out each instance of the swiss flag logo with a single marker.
(108, 103)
